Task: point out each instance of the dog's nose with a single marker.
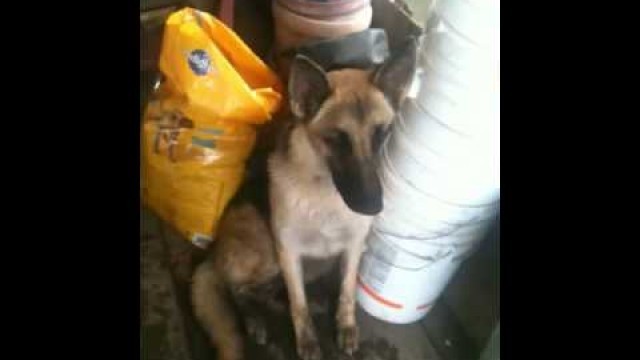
(362, 191)
(371, 206)
(368, 200)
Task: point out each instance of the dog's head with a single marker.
(347, 114)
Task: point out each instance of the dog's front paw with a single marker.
(308, 347)
(348, 338)
(257, 330)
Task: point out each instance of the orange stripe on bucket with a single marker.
(377, 297)
(423, 307)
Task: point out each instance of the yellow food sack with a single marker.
(198, 130)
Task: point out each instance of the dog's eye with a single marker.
(338, 140)
(380, 132)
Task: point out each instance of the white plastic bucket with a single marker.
(464, 176)
(457, 59)
(466, 114)
(421, 129)
(459, 81)
(465, 233)
(409, 211)
(400, 284)
(465, 184)
(475, 20)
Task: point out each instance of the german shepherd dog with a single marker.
(322, 191)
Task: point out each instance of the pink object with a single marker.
(293, 29)
(323, 9)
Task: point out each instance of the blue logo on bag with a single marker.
(199, 62)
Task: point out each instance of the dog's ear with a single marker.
(308, 87)
(394, 77)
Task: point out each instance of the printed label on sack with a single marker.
(206, 143)
(212, 131)
(199, 62)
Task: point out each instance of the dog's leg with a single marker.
(346, 317)
(214, 312)
(254, 301)
(249, 304)
(306, 340)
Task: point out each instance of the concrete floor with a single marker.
(410, 340)
(474, 293)
(457, 328)
(169, 331)
(162, 329)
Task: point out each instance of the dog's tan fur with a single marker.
(309, 217)
(243, 256)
